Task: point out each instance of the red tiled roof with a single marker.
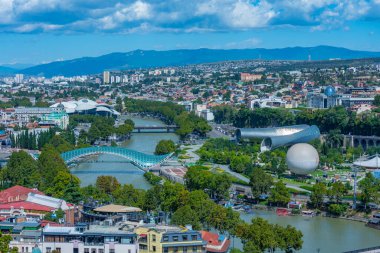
(16, 193)
(27, 206)
(213, 243)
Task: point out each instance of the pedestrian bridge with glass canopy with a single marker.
(141, 160)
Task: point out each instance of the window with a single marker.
(112, 250)
(195, 248)
(93, 250)
(129, 251)
(166, 250)
(153, 238)
(184, 237)
(58, 250)
(166, 238)
(86, 250)
(184, 249)
(194, 237)
(100, 250)
(48, 250)
(175, 238)
(154, 248)
(175, 249)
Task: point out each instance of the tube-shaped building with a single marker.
(279, 136)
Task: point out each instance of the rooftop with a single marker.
(117, 209)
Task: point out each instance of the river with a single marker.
(329, 235)
(126, 173)
(326, 234)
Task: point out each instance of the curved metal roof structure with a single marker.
(85, 106)
(373, 162)
(141, 160)
(275, 137)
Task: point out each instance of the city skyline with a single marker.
(41, 31)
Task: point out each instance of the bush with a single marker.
(152, 178)
(337, 209)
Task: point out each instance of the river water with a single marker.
(326, 234)
(329, 235)
(126, 173)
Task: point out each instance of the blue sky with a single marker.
(38, 31)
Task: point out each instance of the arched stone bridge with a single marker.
(141, 160)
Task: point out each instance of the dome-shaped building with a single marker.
(302, 159)
(330, 91)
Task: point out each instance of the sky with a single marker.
(41, 31)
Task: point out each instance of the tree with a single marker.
(50, 163)
(369, 187)
(260, 236)
(164, 147)
(241, 163)
(65, 186)
(317, 195)
(279, 194)
(4, 243)
(107, 184)
(289, 238)
(21, 169)
(260, 182)
(336, 192)
(128, 195)
(376, 102)
(337, 209)
(186, 216)
(173, 196)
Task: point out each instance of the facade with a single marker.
(169, 239)
(59, 119)
(268, 103)
(79, 239)
(322, 101)
(25, 114)
(207, 115)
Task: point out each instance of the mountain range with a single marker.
(151, 58)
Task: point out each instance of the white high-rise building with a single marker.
(19, 78)
(106, 77)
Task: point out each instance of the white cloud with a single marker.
(139, 10)
(180, 15)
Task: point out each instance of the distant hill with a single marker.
(151, 58)
(6, 70)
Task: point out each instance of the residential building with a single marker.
(247, 77)
(106, 77)
(25, 114)
(207, 115)
(215, 243)
(169, 239)
(81, 238)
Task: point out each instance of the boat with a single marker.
(308, 213)
(282, 212)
